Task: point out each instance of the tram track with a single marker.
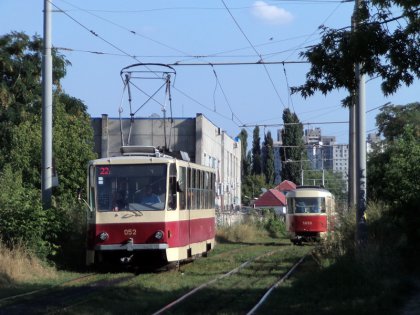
(275, 285)
(245, 269)
(58, 297)
(29, 293)
(19, 303)
(244, 265)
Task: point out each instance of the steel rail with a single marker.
(275, 285)
(45, 289)
(195, 290)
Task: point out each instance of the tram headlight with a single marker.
(159, 235)
(103, 236)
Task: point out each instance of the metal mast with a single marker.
(47, 110)
(360, 119)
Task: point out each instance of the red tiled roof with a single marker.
(286, 185)
(271, 198)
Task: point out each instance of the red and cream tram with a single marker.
(144, 205)
(310, 213)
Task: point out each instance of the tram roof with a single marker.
(135, 159)
(305, 191)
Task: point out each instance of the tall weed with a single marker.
(239, 233)
(18, 264)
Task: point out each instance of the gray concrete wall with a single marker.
(205, 143)
(180, 134)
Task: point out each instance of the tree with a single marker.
(249, 161)
(392, 119)
(252, 187)
(293, 147)
(256, 152)
(20, 129)
(394, 165)
(385, 43)
(243, 135)
(268, 159)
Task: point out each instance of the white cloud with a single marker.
(271, 13)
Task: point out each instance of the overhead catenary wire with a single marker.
(133, 57)
(303, 2)
(127, 29)
(288, 88)
(133, 32)
(312, 34)
(225, 96)
(296, 123)
(258, 54)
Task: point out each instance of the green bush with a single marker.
(22, 218)
(274, 224)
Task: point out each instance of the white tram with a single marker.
(146, 206)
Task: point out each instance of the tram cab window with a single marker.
(137, 187)
(308, 205)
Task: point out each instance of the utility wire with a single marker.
(224, 95)
(127, 54)
(258, 54)
(212, 8)
(288, 87)
(204, 106)
(309, 37)
(382, 106)
(91, 31)
(271, 42)
(130, 31)
(297, 123)
(239, 63)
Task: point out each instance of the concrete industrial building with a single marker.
(204, 142)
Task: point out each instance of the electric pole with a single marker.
(360, 145)
(46, 180)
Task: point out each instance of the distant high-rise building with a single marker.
(312, 136)
(372, 139)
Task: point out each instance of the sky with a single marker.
(101, 37)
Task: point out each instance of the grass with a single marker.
(18, 265)
(337, 279)
(349, 279)
(241, 232)
(342, 288)
(149, 292)
(21, 272)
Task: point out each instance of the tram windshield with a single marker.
(130, 187)
(306, 205)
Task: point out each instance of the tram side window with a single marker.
(172, 187)
(193, 189)
(290, 205)
(199, 185)
(206, 190)
(189, 193)
(183, 187)
(213, 190)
